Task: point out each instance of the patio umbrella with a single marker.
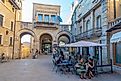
(82, 44)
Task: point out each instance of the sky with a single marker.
(27, 8)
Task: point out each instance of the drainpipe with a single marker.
(114, 1)
(14, 35)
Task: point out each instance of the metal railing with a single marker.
(114, 22)
(95, 32)
(45, 24)
(110, 66)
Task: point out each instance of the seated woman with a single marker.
(81, 68)
(90, 68)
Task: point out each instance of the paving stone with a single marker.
(41, 70)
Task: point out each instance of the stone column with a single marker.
(82, 25)
(36, 44)
(92, 20)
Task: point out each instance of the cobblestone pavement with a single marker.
(41, 70)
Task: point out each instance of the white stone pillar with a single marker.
(82, 25)
(92, 20)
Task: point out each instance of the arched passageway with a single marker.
(46, 43)
(25, 44)
(63, 39)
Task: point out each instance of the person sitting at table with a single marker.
(62, 57)
(81, 68)
(90, 68)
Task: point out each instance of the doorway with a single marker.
(46, 44)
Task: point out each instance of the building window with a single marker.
(88, 25)
(11, 25)
(1, 20)
(81, 29)
(13, 9)
(40, 17)
(7, 32)
(118, 54)
(0, 39)
(53, 18)
(98, 23)
(11, 40)
(46, 18)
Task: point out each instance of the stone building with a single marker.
(10, 14)
(114, 32)
(91, 19)
(45, 29)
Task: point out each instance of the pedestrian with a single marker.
(39, 52)
(36, 53)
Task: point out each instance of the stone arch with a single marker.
(19, 35)
(64, 33)
(26, 31)
(46, 32)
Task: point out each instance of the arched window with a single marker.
(1, 20)
(88, 27)
(98, 22)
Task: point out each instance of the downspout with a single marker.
(14, 34)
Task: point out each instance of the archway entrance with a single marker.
(26, 45)
(63, 39)
(46, 43)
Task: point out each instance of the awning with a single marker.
(116, 37)
(59, 18)
(83, 44)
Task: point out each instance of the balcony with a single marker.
(16, 4)
(45, 25)
(114, 22)
(114, 25)
(96, 32)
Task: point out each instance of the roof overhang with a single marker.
(14, 3)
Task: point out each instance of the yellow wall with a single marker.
(9, 15)
(25, 51)
(111, 9)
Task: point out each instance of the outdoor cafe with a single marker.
(82, 49)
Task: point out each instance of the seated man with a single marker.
(81, 68)
(2, 57)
